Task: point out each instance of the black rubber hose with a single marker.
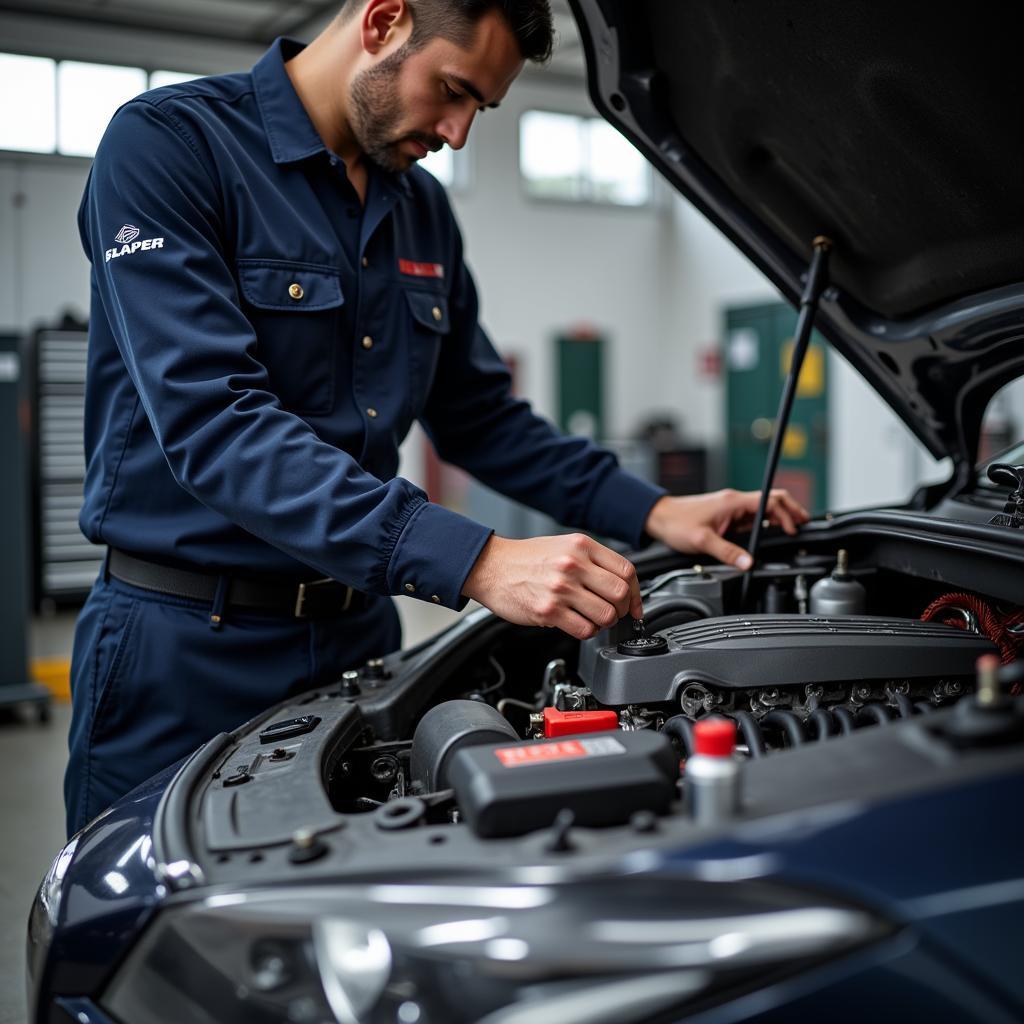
(874, 713)
(845, 719)
(904, 705)
(751, 732)
(788, 723)
(822, 722)
(680, 727)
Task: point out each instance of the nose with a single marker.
(454, 128)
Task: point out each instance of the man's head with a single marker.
(428, 66)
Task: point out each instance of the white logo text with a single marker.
(128, 236)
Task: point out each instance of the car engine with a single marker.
(508, 742)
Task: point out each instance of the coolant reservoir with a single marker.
(838, 594)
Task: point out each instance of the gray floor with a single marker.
(32, 759)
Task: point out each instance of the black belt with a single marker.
(312, 599)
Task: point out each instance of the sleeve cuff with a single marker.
(434, 555)
(620, 506)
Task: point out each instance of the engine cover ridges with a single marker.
(742, 651)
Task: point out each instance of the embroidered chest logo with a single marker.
(128, 242)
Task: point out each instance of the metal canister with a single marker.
(838, 594)
(712, 774)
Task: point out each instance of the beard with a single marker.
(376, 113)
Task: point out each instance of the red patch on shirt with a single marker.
(414, 269)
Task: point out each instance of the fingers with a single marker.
(620, 569)
(574, 624)
(796, 511)
(780, 514)
(594, 609)
(726, 552)
(568, 582)
(592, 585)
(782, 509)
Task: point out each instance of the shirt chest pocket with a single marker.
(296, 312)
(430, 324)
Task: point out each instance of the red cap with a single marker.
(569, 723)
(714, 737)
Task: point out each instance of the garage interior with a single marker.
(623, 313)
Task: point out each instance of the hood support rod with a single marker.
(817, 280)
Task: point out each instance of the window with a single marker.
(161, 78)
(64, 107)
(451, 168)
(89, 94)
(440, 165)
(30, 124)
(562, 156)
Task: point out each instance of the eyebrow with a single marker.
(473, 91)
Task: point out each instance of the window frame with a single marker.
(462, 160)
(57, 152)
(587, 199)
(462, 171)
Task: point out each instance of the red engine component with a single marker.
(714, 737)
(571, 723)
(999, 628)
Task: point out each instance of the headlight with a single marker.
(621, 950)
(42, 918)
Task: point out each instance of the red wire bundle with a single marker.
(994, 625)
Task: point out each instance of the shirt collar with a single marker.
(290, 132)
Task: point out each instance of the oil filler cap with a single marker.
(643, 646)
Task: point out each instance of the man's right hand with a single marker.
(570, 582)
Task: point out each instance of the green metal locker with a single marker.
(758, 350)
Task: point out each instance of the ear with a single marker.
(383, 23)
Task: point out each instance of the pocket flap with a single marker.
(429, 309)
(296, 287)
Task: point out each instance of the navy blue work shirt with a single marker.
(260, 343)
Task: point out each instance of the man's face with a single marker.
(407, 105)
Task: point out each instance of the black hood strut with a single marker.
(817, 279)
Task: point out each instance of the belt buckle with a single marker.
(300, 596)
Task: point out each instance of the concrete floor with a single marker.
(32, 759)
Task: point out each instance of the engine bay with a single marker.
(499, 734)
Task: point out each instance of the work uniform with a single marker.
(260, 343)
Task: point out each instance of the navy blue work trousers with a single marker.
(151, 680)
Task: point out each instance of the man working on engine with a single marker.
(278, 293)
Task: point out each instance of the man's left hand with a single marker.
(695, 524)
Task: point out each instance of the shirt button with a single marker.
(435, 599)
(367, 342)
(372, 413)
(436, 313)
(410, 589)
(295, 291)
(366, 261)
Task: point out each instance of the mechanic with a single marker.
(277, 294)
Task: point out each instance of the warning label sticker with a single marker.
(564, 750)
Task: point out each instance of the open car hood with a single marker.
(895, 131)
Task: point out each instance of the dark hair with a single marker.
(456, 20)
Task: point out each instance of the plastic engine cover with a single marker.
(512, 789)
(737, 652)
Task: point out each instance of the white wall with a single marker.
(45, 272)
(545, 265)
(710, 274)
